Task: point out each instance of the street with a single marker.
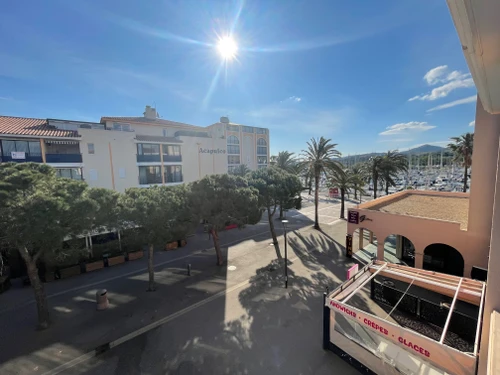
(232, 319)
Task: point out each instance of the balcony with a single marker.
(63, 158)
(172, 158)
(148, 158)
(28, 158)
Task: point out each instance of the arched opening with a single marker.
(364, 245)
(443, 258)
(399, 250)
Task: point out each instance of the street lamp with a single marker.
(285, 222)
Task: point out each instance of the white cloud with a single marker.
(450, 81)
(292, 99)
(472, 123)
(434, 76)
(407, 127)
(469, 99)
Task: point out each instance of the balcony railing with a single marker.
(148, 158)
(63, 158)
(170, 158)
(28, 158)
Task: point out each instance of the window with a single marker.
(233, 128)
(73, 173)
(231, 168)
(262, 166)
(233, 145)
(261, 146)
(150, 175)
(247, 129)
(261, 131)
(91, 148)
(148, 149)
(173, 173)
(233, 159)
(121, 127)
(261, 159)
(30, 148)
(165, 132)
(171, 150)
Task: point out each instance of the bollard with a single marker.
(189, 269)
(101, 298)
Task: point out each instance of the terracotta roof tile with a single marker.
(32, 126)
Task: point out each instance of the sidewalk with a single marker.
(78, 328)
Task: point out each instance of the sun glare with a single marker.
(227, 48)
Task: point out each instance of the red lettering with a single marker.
(413, 346)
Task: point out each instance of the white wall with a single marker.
(112, 148)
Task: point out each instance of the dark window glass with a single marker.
(261, 159)
(232, 140)
(173, 173)
(171, 150)
(247, 129)
(260, 131)
(261, 150)
(233, 159)
(233, 149)
(150, 175)
(148, 149)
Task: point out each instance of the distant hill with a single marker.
(424, 149)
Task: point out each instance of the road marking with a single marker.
(27, 303)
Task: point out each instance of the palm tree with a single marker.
(241, 170)
(359, 179)
(344, 181)
(392, 163)
(284, 160)
(318, 158)
(462, 150)
(374, 168)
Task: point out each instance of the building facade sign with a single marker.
(211, 151)
(348, 245)
(18, 155)
(353, 217)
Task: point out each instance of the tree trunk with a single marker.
(40, 297)
(375, 188)
(151, 269)
(281, 212)
(355, 194)
(387, 188)
(342, 205)
(215, 236)
(310, 185)
(465, 179)
(316, 200)
(273, 233)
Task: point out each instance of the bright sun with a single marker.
(227, 48)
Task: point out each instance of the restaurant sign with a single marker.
(353, 217)
(443, 356)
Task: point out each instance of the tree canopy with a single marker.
(224, 199)
(276, 188)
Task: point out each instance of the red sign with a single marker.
(334, 192)
(352, 271)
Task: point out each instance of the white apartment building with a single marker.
(123, 152)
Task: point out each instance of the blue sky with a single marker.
(371, 76)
